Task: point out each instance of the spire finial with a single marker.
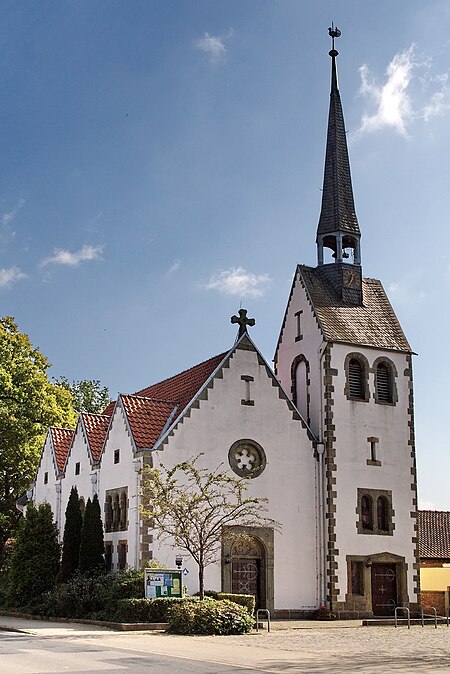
(333, 32)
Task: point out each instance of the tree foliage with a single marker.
(88, 395)
(35, 559)
(92, 546)
(72, 538)
(29, 403)
(193, 508)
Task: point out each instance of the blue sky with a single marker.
(161, 162)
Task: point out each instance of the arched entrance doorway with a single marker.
(248, 563)
(248, 569)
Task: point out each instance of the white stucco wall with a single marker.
(47, 493)
(354, 422)
(115, 476)
(309, 346)
(287, 481)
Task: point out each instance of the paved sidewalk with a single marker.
(293, 648)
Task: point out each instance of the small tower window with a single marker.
(77, 468)
(366, 513)
(382, 514)
(384, 388)
(45, 478)
(298, 319)
(355, 379)
(116, 455)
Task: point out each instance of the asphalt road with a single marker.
(32, 654)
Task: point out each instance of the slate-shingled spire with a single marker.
(338, 227)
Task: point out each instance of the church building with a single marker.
(327, 437)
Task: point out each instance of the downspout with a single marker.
(137, 469)
(321, 488)
(58, 487)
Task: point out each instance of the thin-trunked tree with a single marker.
(193, 507)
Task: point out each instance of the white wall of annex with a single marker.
(117, 475)
(46, 493)
(287, 481)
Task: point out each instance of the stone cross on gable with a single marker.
(243, 321)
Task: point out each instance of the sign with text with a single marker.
(163, 583)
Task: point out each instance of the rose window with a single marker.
(247, 458)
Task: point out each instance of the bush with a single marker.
(209, 617)
(147, 610)
(246, 600)
(90, 595)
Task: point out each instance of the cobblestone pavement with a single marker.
(315, 649)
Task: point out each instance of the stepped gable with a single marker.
(96, 426)
(147, 418)
(62, 439)
(434, 534)
(373, 323)
(183, 386)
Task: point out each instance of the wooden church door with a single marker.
(384, 589)
(248, 569)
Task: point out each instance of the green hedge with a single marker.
(209, 617)
(147, 610)
(247, 600)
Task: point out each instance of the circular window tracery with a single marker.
(247, 458)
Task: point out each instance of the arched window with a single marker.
(356, 379)
(300, 386)
(366, 512)
(108, 513)
(383, 383)
(116, 512)
(382, 514)
(123, 511)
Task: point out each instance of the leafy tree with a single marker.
(193, 507)
(87, 394)
(35, 558)
(72, 538)
(92, 547)
(29, 403)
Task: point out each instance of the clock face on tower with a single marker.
(351, 278)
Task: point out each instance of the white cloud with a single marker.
(396, 104)
(8, 216)
(174, 267)
(65, 257)
(9, 276)
(238, 281)
(213, 45)
(427, 505)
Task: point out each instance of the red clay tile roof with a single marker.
(147, 418)
(434, 534)
(183, 387)
(96, 426)
(372, 324)
(61, 438)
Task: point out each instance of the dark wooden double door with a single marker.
(384, 589)
(246, 577)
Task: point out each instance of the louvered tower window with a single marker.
(355, 379)
(384, 389)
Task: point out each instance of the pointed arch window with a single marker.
(366, 512)
(382, 514)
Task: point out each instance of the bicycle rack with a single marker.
(408, 613)
(434, 614)
(267, 613)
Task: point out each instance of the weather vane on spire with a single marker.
(333, 32)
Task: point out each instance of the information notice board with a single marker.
(163, 583)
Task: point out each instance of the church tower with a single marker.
(347, 365)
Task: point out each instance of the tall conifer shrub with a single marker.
(35, 559)
(72, 538)
(92, 547)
